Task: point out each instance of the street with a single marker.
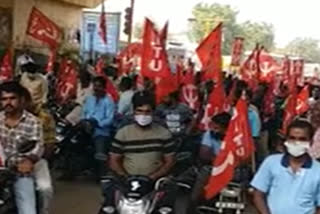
(82, 197)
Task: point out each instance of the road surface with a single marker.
(80, 197)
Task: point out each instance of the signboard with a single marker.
(91, 42)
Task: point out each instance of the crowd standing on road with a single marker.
(148, 133)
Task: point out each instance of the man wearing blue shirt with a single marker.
(289, 182)
(99, 110)
(209, 149)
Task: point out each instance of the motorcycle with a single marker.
(233, 198)
(7, 178)
(74, 153)
(139, 195)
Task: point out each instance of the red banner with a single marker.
(42, 28)
(154, 61)
(189, 96)
(268, 67)
(67, 82)
(237, 146)
(237, 48)
(51, 60)
(298, 67)
(128, 58)
(6, 70)
(303, 101)
(103, 25)
(249, 71)
(209, 53)
(217, 103)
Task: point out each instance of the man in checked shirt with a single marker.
(16, 127)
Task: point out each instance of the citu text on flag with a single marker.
(154, 60)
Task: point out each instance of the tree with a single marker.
(207, 17)
(253, 33)
(307, 48)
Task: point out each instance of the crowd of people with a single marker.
(135, 135)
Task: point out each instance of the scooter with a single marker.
(139, 195)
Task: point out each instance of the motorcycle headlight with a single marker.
(133, 206)
(108, 209)
(165, 210)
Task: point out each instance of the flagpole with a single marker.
(131, 24)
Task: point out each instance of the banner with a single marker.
(103, 25)
(6, 70)
(237, 146)
(237, 48)
(209, 53)
(154, 61)
(51, 60)
(128, 58)
(67, 82)
(42, 28)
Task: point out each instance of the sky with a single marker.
(291, 18)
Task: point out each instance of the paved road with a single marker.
(81, 197)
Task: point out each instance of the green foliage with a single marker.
(306, 48)
(207, 16)
(253, 32)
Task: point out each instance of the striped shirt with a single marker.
(29, 128)
(143, 148)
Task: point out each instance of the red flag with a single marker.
(209, 53)
(302, 101)
(103, 25)
(268, 66)
(154, 61)
(6, 70)
(237, 146)
(42, 28)
(51, 60)
(237, 48)
(268, 101)
(111, 90)
(67, 82)
(165, 87)
(298, 67)
(249, 71)
(290, 108)
(100, 66)
(190, 96)
(217, 103)
(2, 157)
(164, 33)
(128, 57)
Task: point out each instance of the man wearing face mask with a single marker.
(141, 148)
(209, 149)
(290, 182)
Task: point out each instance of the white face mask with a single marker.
(143, 120)
(297, 148)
